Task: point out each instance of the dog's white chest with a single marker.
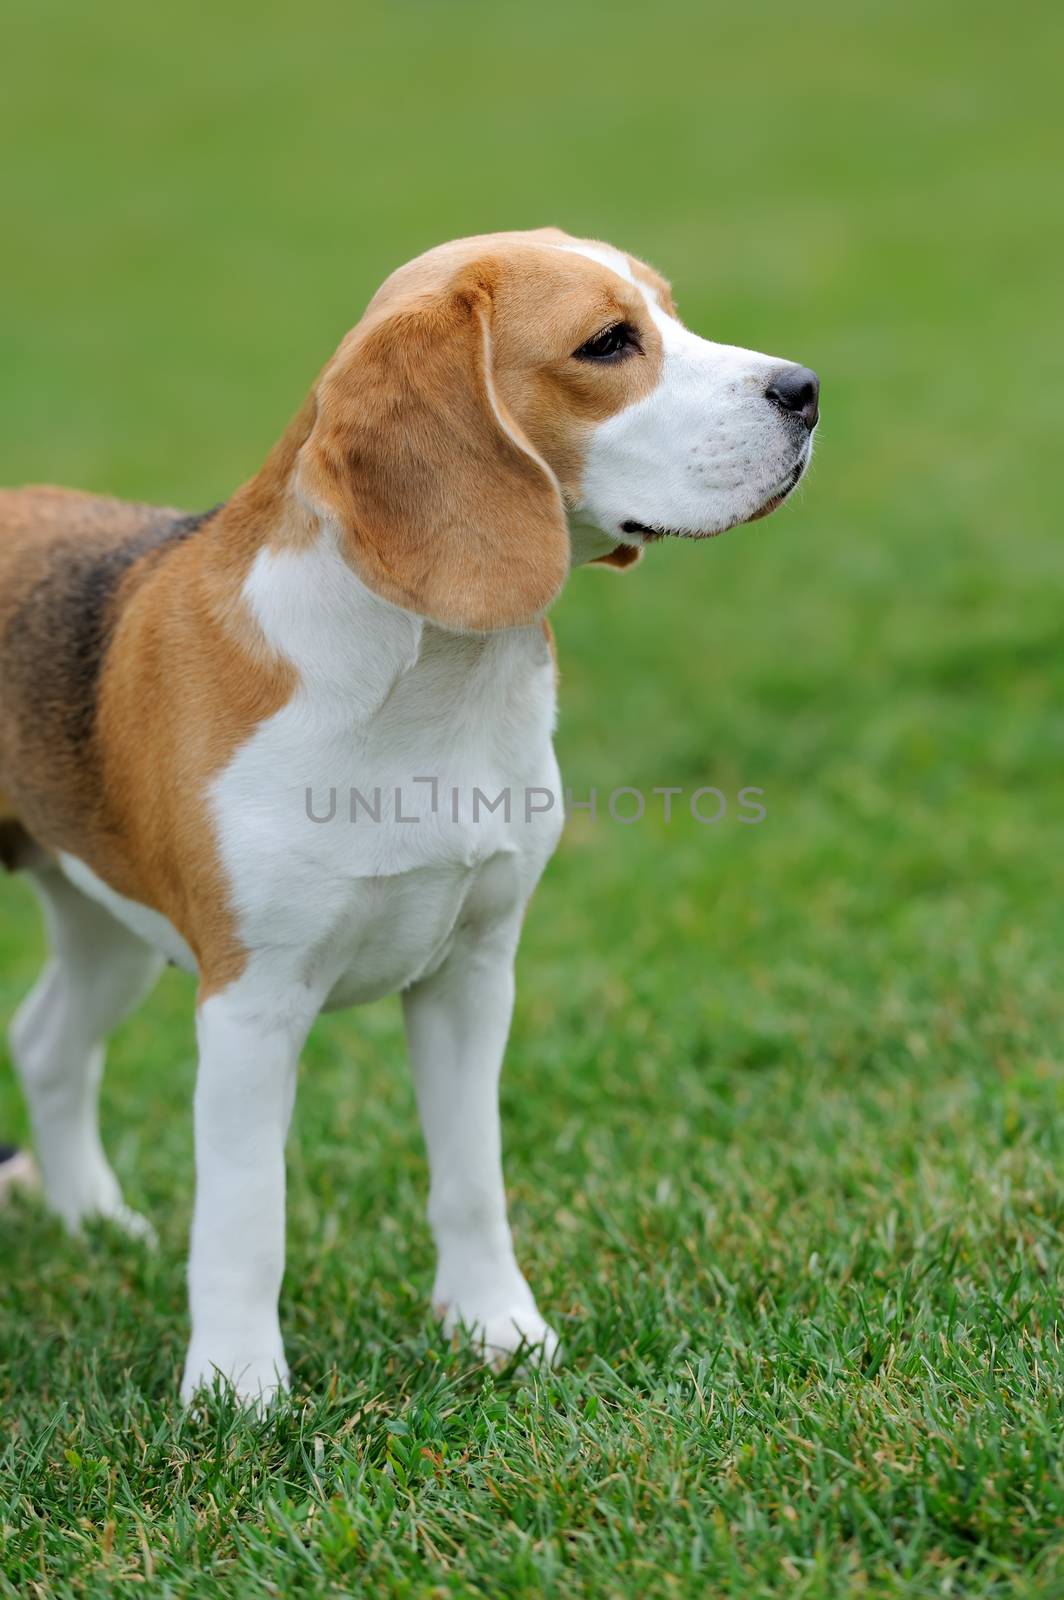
(396, 930)
(410, 781)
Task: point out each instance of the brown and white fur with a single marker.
(367, 610)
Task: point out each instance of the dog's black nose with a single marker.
(796, 389)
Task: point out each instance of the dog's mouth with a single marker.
(649, 532)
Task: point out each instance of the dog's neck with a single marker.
(350, 647)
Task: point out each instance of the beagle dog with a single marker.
(364, 619)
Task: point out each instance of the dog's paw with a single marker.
(132, 1223)
(256, 1381)
(96, 1198)
(500, 1334)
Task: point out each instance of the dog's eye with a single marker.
(612, 344)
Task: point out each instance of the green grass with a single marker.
(783, 1103)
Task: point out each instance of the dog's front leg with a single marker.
(457, 1023)
(249, 1044)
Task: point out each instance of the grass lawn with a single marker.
(783, 1104)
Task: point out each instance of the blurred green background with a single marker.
(783, 1104)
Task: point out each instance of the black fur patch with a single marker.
(17, 848)
(56, 641)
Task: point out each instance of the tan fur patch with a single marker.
(621, 557)
(175, 690)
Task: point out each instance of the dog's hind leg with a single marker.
(97, 972)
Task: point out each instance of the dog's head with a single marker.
(502, 391)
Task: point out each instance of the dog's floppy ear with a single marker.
(444, 506)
